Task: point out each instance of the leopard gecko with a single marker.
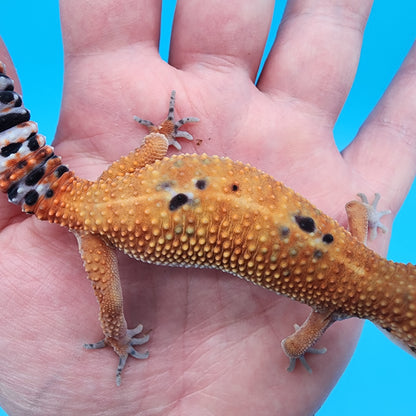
(205, 211)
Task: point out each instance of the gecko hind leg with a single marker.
(363, 217)
(301, 358)
(170, 127)
(295, 346)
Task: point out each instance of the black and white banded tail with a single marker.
(29, 169)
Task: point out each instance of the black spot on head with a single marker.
(284, 231)
(413, 349)
(317, 254)
(11, 148)
(60, 170)
(306, 224)
(201, 184)
(386, 328)
(32, 142)
(31, 197)
(35, 176)
(177, 201)
(49, 193)
(234, 187)
(328, 238)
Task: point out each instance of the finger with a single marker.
(316, 53)
(93, 27)
(384, 151)
(221, 35)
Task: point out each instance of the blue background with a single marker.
(381, 377)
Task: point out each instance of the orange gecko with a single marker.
(206, 211)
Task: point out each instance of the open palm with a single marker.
(215, 340)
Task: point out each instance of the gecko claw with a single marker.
(96, 345)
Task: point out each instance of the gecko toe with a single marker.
(96, 345)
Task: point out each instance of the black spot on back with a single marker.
(328, 238)
(234, 187)
(284, 231)
(177, 201)
(306, 224)
(413, 349)
(166, 185)
(317, 254)
(201, 184)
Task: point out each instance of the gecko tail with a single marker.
(29, 168)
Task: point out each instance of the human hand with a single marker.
(215, 344)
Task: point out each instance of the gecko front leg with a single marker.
(155, 144)
(99, 258)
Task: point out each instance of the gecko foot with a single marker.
(124, 350)
(301, 357)
(374, 216)
(169, 128)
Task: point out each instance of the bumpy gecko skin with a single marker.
(205, 211)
